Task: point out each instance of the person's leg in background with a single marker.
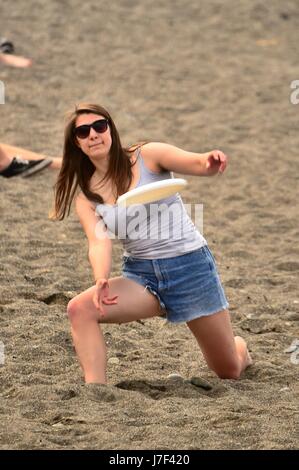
(12, 165)
(5, 160)
(8, 57)
(29, 155)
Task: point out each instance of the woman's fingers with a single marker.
(101, 296)
(110, 301)
(217, 158)
(98, 303)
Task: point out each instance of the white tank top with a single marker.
(154, 230)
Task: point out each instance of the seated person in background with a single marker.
(13, 165)
(12, 151)
(8, 57)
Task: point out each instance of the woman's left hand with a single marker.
(216, 162)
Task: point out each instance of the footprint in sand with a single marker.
(60, 298)
(288, 266)
(101, 392)
(174, 386)
(237, 283)
(240, 254)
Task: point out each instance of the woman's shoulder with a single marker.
(154, 147)
(151, 152)
(133, 148)
(147, 145)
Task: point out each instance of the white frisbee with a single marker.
(152, 192)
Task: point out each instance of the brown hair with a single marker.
(77, 169)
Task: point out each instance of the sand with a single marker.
(200, 75)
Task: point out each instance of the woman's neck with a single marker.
(101, 167)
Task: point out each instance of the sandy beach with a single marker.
(200, 75)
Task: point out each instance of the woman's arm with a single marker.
(99, 252)
(169, 157)
(99, 244)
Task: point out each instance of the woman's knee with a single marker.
(74, 309)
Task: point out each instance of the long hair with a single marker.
(77, 169)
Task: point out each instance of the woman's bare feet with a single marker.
(243, 352)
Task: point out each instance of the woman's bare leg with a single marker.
(134, 303)
(5, 159)
(27, 154)
(15, 60)
(225, 354)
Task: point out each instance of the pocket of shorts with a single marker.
(211, 254)
(125, 261)
(210, 259)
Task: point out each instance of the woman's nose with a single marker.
(93, 133)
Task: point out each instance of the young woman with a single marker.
(172, 276)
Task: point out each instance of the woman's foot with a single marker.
(243, 352)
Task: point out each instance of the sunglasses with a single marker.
(100, 126)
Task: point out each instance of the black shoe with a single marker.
(24, 168)
(6, 46)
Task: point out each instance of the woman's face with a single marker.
(97, 144)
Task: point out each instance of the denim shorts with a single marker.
(187, 286)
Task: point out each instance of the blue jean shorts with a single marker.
(187, 286)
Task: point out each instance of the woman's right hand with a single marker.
(101, 296)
